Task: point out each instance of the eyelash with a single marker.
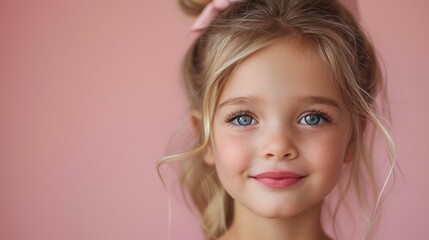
(320, 113)
(233, 116)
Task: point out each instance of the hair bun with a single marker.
(193, 7)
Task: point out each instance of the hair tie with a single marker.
(210, 12)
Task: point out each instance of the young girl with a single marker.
(282, 97)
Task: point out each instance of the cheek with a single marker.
(329, 157)
(232, 152)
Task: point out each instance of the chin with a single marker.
(278, 213)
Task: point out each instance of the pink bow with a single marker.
(210, 12)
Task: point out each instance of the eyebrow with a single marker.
(308, 99)
(321, 100)
(239, 101)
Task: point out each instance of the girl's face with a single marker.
(281, 132)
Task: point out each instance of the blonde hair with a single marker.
(249, 26)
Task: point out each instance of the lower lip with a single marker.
(278, 183)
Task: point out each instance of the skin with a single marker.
(262, 123)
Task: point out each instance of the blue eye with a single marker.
(243, 120)
(312, 119)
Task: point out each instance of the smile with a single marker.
(278, 179)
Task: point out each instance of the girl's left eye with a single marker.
(312, 119)
(243, 120)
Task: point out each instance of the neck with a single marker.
(248, 225)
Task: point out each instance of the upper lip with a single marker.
(278, 175)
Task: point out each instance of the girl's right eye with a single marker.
(243, 120)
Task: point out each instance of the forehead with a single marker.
(288, 69)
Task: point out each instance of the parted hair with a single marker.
(249, 26)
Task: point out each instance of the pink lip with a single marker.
(278, 179)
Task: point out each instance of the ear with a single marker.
(196, 126)
(351, 148)
(350, 151)
(196, 121)
(208, 157)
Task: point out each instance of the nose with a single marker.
(279, 144)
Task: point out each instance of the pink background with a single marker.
(90, 97)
